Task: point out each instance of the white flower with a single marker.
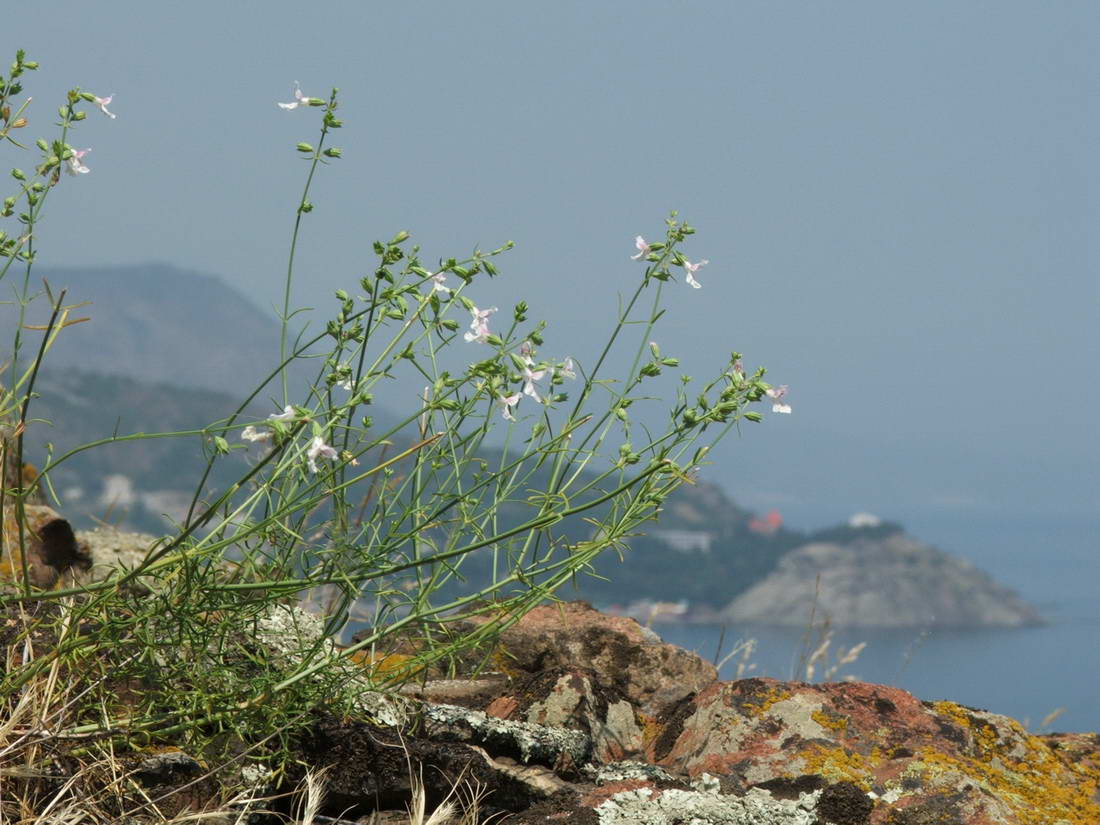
(777, 395)
(102, 102)
(76, 164)
(506, 403)
(641, 246)
(250, 433)
(440, 284)
(299, 99)
(479, 325)
(530, 376)
(566, 369)
(691, 269)
(287, 414)
(319, 449)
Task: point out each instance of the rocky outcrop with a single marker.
(562, 745)
(623, 656)
(888, 582)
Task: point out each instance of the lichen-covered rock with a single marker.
(110, 550)
(629, 659)
(917, 762)
(574, 699)
(41, 539)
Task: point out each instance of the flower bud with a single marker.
(341, 295)
(400, 237)
(332, 152)
(754, 416)
(79, 115)
(304, 147)
(41, 144)
(18, 174)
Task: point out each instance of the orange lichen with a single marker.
(1039, 789)
(838, 764)
(651, 728)
(759, 703)
(983, 734)
(830, 720)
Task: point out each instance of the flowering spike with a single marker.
(691, 269)
(319, 449)
(440, 284)
(479, 325)
(76, 163)
(777, 395)
(102, 102)
(250, 433)
(286, 415)
(530, 376)
(506, 403)
(299, 99)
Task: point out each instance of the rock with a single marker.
(110, 550)
(167, 768)
(915, 762)
(51, 546)
(475, 694)
(627, 658)
(890, 581)
(370, 768)
(573, 699)
(529, 743)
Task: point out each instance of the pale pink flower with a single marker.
(566, 369)
(530, 376)
(287, 414)
(479, 325)
(506, 404)
(319, 449)
(250, 433)
(76, 162)
(102, 102)
(526, 350)
(776, 395)
(641, 246)
(347, 384)
(299, 99)
(738, 367)
(691, 269)
(440, 284)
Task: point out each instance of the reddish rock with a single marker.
(628, 659)
(924, 762)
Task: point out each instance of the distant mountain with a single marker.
(133, 483)
(156, 323)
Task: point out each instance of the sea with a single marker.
(1047, 677)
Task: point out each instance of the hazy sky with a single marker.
(899, 200)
